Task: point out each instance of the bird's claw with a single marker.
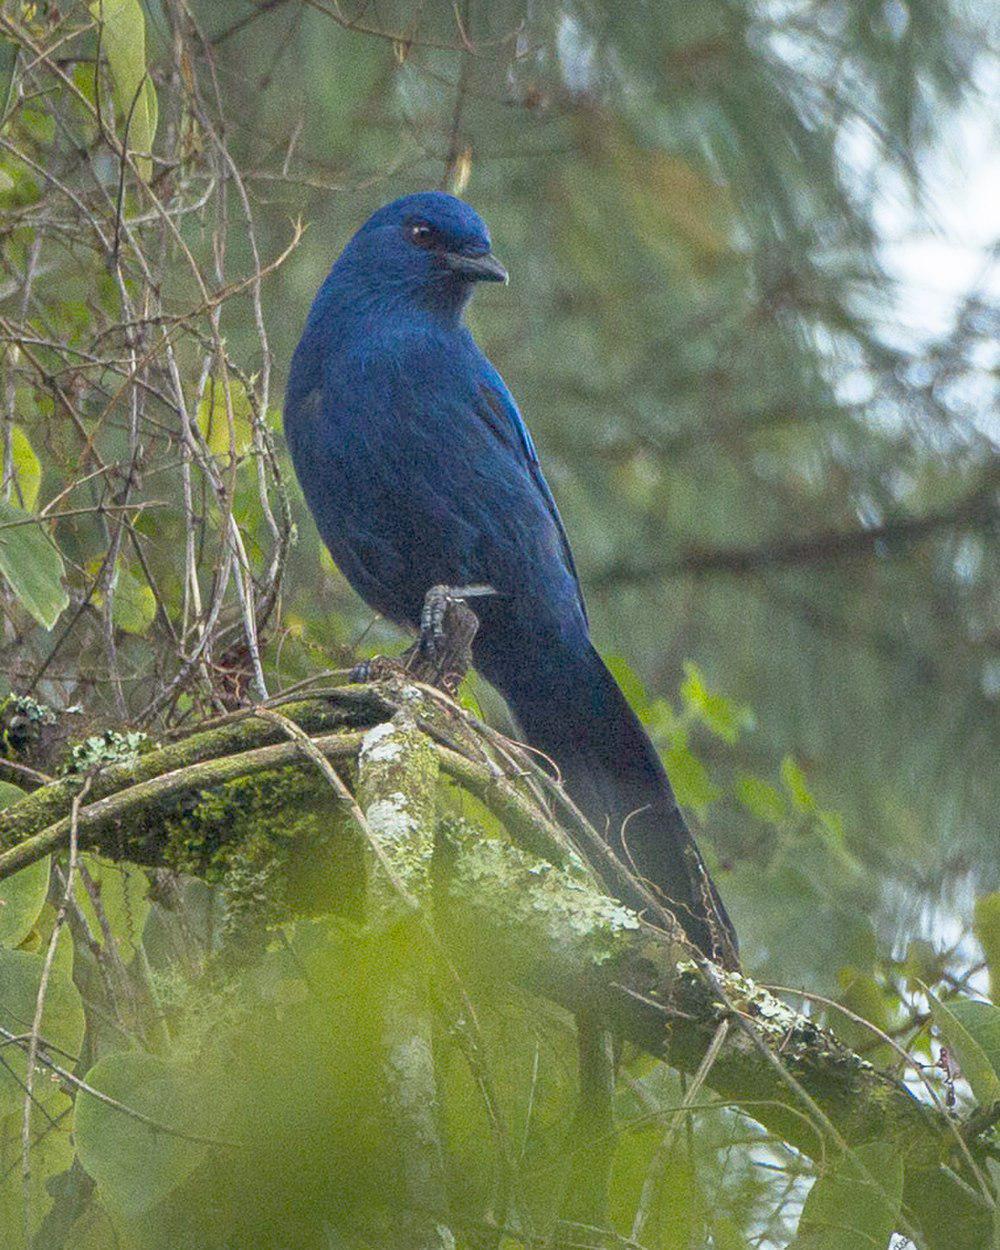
(361, 672)
(378, 668)
(436, 604)
(442, 654)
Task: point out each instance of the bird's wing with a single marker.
(504, 418)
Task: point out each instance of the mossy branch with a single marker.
(520, 905)
(131, 798)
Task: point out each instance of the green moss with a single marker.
(275, 842)
(52, 803)
(252, 897)
(271, 807)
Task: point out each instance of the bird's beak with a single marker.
(483, 267)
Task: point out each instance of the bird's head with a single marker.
(429, 247)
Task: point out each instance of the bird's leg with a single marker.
(442, 655)
(437, 602)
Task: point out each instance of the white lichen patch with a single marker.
(445, 1236)
(546, 900)
(381, 744)
(411, 1074)
(777, 1022)
(591, 916)
(390, 818)
(622, 918)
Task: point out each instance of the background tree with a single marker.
(774, 446)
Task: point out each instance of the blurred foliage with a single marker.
(782, 496)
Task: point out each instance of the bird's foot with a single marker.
(434, 619)
(443, 653)
(380, 668)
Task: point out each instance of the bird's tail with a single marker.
(579, 718)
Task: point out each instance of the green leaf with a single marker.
(727, 1235)
(135, 1164)
(134, 607)
(673, 1216)
(62, 1021)
(10, 794)
(152, 108)
(37, 941)
(123, 39)
(994, 1170)
(31, 565)
(51, 1155)
(971, 1030)
(723, 717)
(982, 1022)
(27, 468)
(833, 823)
(631, 686)
(923, 964)
(689, 777)
(856, 1203)
(94, 1229)
(135, 604)
(761, 800)
(22, 896)
(986, 925)
(123, 891)
(796, 785)
(213, 418)
(865, 997)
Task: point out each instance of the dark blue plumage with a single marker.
(420, 471)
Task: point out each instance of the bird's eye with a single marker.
(421, 234)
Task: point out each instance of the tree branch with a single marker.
(522, 908)
(978, 511)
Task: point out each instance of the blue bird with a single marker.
(420, 471)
